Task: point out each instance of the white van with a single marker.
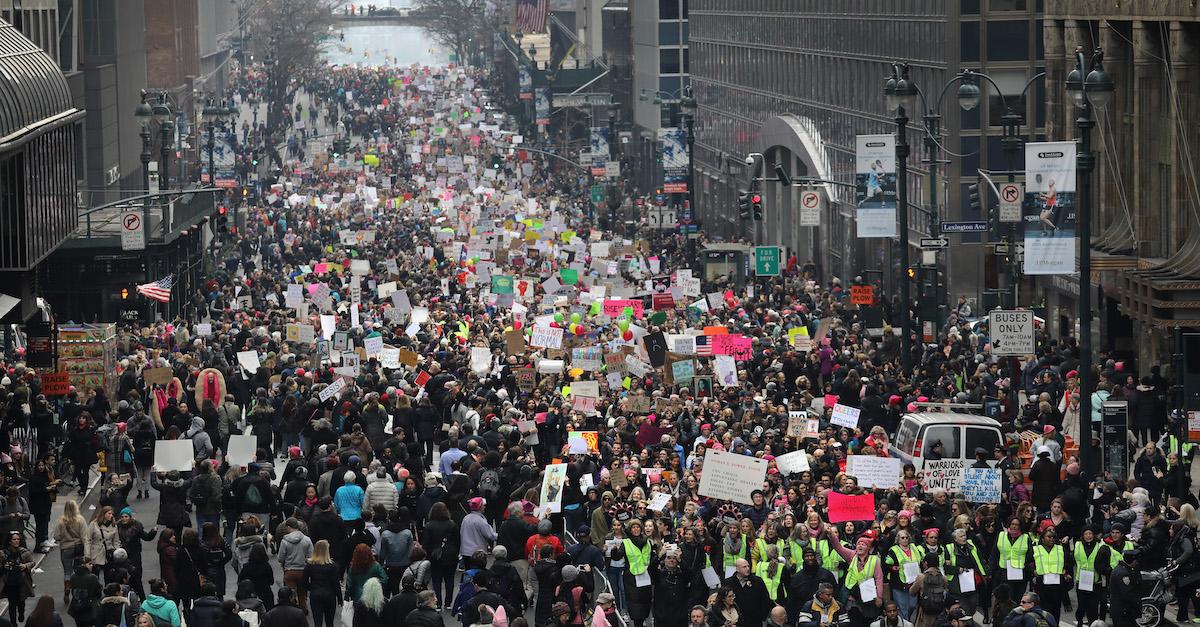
(960, 434)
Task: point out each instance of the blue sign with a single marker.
(964, 227)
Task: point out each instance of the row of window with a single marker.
(826, 7)
(879, 37)
(1006, 40)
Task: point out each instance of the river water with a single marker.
(385, 44)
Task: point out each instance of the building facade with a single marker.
(798, 80)
(659, 30)
(1145, 228)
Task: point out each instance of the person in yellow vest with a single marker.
(903, 563)
(771, 569)
(1053, 567)
(770, 538)
(734, 546)
(863, 586)
(961, 563)
(1090, 555)
(1011, 561)
(637, 551)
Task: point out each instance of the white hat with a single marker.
(1043, 449)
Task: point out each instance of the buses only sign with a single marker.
(1012, 332)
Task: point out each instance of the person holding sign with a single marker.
(1011, 557)
(961, 563)
(1052, 567)
(863, 587)
(637, 551)
(903, 563)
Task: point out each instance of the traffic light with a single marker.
(743, 204)
(221, 224)
(756, 205)
(974, 201)
(912, 273)
(124, 293)
(245, 193)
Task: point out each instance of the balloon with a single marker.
(516, 324)
(566, 391)
(627, 312)
(576, 317)
(627, 335)
(571, 328)
(623, 324)
(579, 329)
(558, 317)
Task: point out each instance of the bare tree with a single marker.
(461, 25)
(289, 36)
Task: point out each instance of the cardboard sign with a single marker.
(514, 342)
(862, 295)
(875, 472)
(638, 403)
(845, 416)
(981, 485)
(409, 358)
(732, 477)
(843, 507)
(795, 428)
(794, 462)
(546, 337)
(944, 473)
(56, 383)
(553, 483)
(241, 449)
(160, 376)
(173, 455)
(526, 380)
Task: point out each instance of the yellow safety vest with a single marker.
(830, 559)
(1114, 556)
(1012, 553)
(898, 558)
(855, 576)
(761, 547)
(1173, 446)
(639, 559)
(951, 557)
(772, 582)
(1083, 561)
(795, 554)
(728, 560)
(1046, 562)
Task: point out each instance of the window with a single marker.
(668, 33)
(969, 7)
(968, 40)
(1008, 41)
(1011, 82)
(98, 27)
(948, 436)
(1007, 5)
(668, 9)
(968, 147)
(906, 435)
(668, 61)
(980, 437)
(686, 62)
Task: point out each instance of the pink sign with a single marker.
(737, 345)
(321, 268)
(614, 307)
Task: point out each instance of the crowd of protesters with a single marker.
(412, 494)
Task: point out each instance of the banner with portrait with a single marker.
(673, 144)
(875, 185)
(1049, 214)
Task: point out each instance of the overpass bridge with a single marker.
(399, 16)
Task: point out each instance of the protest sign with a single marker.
(659, 501)
(160, 376)
(203, 329)
(812, 428)
(332, 389)
(981, 485)
(943, 473)
(844, 416)
(731, 477)
(481, 360)
(552, 487)
(683, 371)
(843, 507)
(173, 455)
(584, 442)
(249, 361)
(794, 462)
(241, 449)
(795, 428)
(874, 472)
(546, 337)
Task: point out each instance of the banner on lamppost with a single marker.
(525, 81)
(875, 185)
(224, 159)
(673, 143)
(599, 150)
(1050, 208)
(542, 106)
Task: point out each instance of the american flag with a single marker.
(531, 15)
(159, 290)
(703, 346)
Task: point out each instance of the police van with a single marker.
(942, 443)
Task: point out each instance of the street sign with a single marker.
(1011, 195)
(612, 169)
(597, 194)
(133, 237)
(964, 227)
(1003, 248)
(661, 217)
(1011, 332)
(766, 260)
(810, 208)
(935, 242)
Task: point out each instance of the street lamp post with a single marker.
(901, 95)
(1093, 91)
(143, 114)
(687, 107)
(163, 114)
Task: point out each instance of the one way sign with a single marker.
(935, 242)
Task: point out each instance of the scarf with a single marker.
(160, 399)
(733, 545)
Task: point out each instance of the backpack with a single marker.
(933, 593)
(81, 603)
(489, 483)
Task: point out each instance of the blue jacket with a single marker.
(348, 500)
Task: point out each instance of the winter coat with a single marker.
(206, 612)
(322, 581)
(424, 617)
(202, 445)
(294, 550)
(187, 573)
(1044, 476)
(381, 491)
(113, 608)
(263, 576)
(172, 504)
(101, 541)
(206, 492)
(396, 548)
(356, 581)
(242, 545)
(163, 610)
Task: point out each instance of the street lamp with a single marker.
(144, 113)
(901, 94)
(1094, 91)
(163, 114)
(688, 108)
